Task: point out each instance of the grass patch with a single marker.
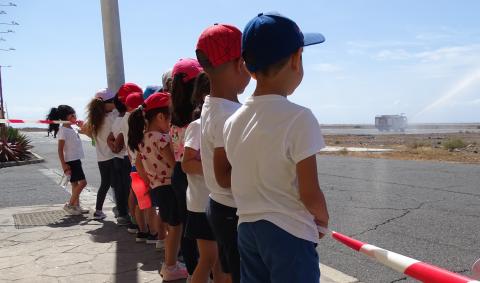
(452, 144)
(337, 142)
(418, 144)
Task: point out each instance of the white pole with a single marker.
(113, 44)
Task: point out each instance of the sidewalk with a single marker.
(39, 243)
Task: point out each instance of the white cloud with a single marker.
(326, 68)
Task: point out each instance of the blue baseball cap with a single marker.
(149, 90)
(270, 37)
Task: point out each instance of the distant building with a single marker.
(391, 123)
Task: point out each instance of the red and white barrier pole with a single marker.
(411, 267)
(19, 121)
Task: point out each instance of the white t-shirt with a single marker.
(197, 191)
(215, 112)
(264, 140)
(73, 149)
(103, 151)
(116, 130)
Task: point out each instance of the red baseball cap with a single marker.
(221, 43)
(126, 89)
(187, 66)
(157, 100)
(134, 100)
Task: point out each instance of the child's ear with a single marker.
(296, 60)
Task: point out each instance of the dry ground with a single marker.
(461, 147)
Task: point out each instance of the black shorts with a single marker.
(223, 220)
(77, 171)
(179, 185)
(164, 198)
(197, 227)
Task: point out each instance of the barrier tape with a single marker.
(18, 121)
(411, 267)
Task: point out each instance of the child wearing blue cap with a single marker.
(271, 144)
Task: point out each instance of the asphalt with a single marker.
(429, 211)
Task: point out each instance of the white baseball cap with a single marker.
(104, 94)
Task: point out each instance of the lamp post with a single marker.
(112, 41)
(2, 110)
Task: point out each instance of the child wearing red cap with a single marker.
(218, 51)
(155, 161)
(272, 145)
(196, 226)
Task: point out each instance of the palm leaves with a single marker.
(14, 146)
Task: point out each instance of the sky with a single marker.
(421, 58)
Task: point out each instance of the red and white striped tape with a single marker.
(411, 267)
(18, 121)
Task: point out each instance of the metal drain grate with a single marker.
(55, 218)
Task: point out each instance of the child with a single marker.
(218, 51)
(184, 73)
(70, 153)
(52, 127)
(121, 161)
(101, 114)
(156, 232)
(196, 226)
(154, 155)
(271, 144)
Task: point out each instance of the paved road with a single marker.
(426, 210)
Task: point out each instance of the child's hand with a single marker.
(79, 123)
(322, 228)
(66, 169)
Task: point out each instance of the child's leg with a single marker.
(264, 260)
(131, 205)
(140, 218)
(150, 215)
(77, 188)
(161, 228)
(106, 168)
(172, 245)
(206, 262)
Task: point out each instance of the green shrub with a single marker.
(452, 144)
(14, 146)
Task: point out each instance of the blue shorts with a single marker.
(284, 259)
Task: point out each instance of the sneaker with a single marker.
(132, 228)
(99, 215)
(160, 245)
(152, 239)
(70, 209)
(83, 210)
(115, 211)
(141, 237)
(175, 272)
(123, 221)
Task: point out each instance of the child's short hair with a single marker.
(270, 39)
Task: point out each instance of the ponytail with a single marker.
(137, 124)
(60, 113)
(182, 106)
(136, 127)
(201, 88)
(96, 115)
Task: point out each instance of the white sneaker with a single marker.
(175, 272)
(99, 215)
(160, 245)
(83, 210)
(70, 209)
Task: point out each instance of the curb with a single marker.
(34, 160)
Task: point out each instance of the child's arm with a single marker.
(190, 163)
(222, 167)
(167, 153)
(310, 193)
(111, 142)
(141, 169)
(85, 129)
(61, 145)
(119, 143)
